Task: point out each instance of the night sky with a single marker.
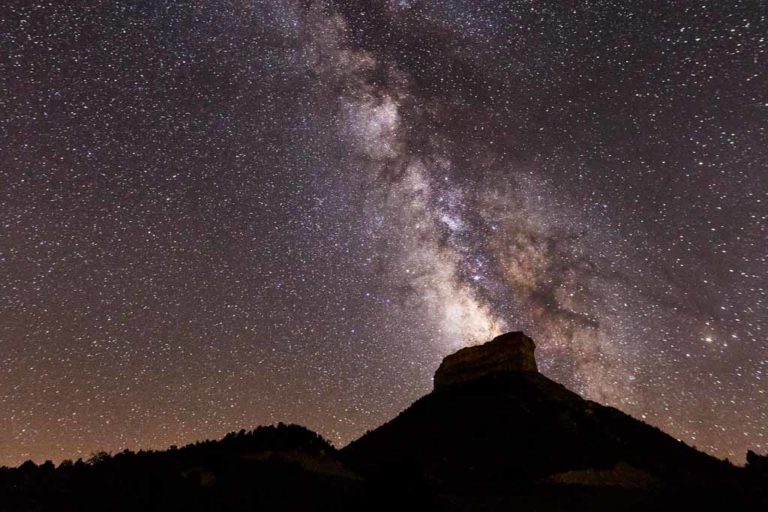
(221, 214)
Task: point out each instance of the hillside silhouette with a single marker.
(493, 435)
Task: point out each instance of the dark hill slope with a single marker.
(502, 434)
(286, 468)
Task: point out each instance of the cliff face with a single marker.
(511, 352)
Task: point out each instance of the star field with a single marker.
(221, 214)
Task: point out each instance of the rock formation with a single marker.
(496, 434)
(510, 352)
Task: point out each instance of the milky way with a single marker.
(222, 214)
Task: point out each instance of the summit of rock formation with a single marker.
(510, 352)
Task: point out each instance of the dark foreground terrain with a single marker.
(494, 435)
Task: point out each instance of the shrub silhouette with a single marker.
(757, 462)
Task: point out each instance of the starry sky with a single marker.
(226, 213)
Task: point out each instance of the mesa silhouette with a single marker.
(493, 435)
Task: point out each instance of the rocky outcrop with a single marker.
(620, 475)
(510, 352)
